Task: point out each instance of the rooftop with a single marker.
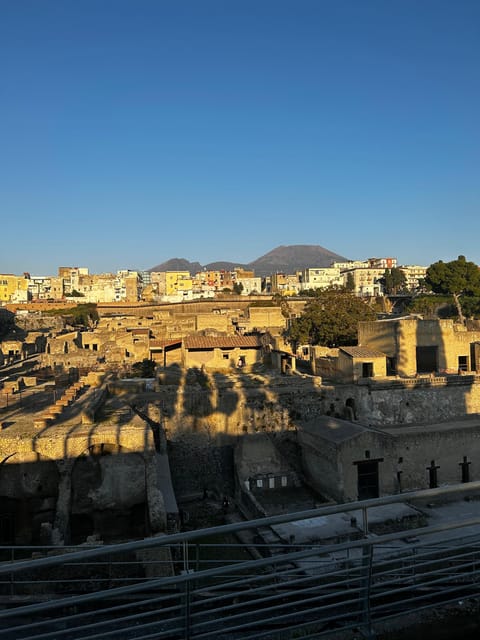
(362, 352)
(221, 342)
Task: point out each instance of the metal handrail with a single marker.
(349, 584)
(175, 538)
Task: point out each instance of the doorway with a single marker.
(427, 359)
(367, 369)
(367, 479)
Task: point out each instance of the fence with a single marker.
(202, 585)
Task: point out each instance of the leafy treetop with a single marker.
(457, 278)
(330, 319)
(393, 281)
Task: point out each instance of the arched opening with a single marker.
(350, 410)
(28, 499)
(108, 495)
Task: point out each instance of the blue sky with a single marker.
(134, 131)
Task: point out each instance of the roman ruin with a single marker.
(227, 410)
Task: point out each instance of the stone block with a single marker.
(41, 423)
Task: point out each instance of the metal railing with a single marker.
(196, 586)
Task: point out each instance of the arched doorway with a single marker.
(108, 495)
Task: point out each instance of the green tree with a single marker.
(237, 288)
(350, 283)
(459, 278)
(84, 314)
(393, 281)
(143, 369)
(74, 294)
(330, 319)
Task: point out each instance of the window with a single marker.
(367, 369)
(427, 359)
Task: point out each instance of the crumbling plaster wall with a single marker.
(400, 338)
(404, 402)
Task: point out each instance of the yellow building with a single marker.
(177, 282)
(13, 288)
(413, 346)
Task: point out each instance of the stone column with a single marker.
(61, 532)
(154, 498)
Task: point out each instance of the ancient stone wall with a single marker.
(400, 338)
(421, 400)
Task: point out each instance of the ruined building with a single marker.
(89, 454)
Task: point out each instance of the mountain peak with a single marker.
(285, 258)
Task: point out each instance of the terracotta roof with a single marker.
(156, 344)
(227, 342)
(362, 352)
(141, 331)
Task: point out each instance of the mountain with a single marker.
(290, 258)
(283, 259)
(178, 264)
(224, 266)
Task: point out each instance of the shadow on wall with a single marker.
(100, 494)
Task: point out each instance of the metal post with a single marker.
(367, 558)
(365, 521)
(186, 629)
(12, 559)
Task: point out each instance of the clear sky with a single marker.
(134, 131)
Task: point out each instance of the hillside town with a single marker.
(204, 373)
(77, 284)
(131, 410)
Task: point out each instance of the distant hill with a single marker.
(283, 259)
(224, 266)
(178, 264)
(290, 258)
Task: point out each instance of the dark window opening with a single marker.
(367, 369)
(391, 366)
(463, 363)
(81, 526)
(367, 481)
(433, 475)
(465, 466)
(427, 359)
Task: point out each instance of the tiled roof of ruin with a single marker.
(164, 343)
(226, 342)
(362, 352)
